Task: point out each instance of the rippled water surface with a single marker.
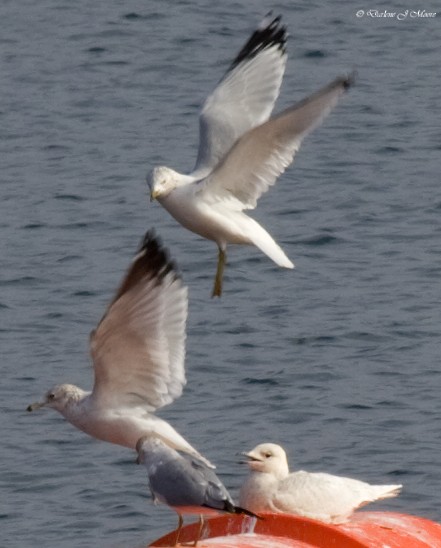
(338, 359)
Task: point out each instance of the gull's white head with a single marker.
(162, 180)
(59, 397)
(268, 458)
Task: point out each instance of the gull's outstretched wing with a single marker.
(263, 153)
(138, 348)
(245, 96)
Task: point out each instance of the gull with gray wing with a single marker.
(138, 353)
(242, 151)
(184, 483)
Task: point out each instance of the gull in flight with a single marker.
(324, 497)
(138, 352)
(242, 151)
(184, 483)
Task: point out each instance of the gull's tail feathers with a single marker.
(379, 492)
(261, 239)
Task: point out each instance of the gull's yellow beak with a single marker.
(250, 457)
(154, 194)
(35, 406)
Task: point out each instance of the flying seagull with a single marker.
(138, 352)
(324, 497)
(242, 151)
(184, 483)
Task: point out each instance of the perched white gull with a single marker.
(138, 352)
(332, 499)
(184, 483)
(241, 150)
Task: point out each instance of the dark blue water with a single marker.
(337, 360)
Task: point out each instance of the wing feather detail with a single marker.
(138, 348)
(263, 153)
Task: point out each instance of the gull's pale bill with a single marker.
(184, 483)
(138, 353)
(241, 150)
(332, 499)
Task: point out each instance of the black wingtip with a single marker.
(232, 509)
(151, 261)
(155, 255)
(269, 33)
(239, 510)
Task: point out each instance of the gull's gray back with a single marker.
(176, 481)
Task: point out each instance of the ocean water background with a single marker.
(337, 360)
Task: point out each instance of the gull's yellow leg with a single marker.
(178, 532)
(201, 526)
(221, 259)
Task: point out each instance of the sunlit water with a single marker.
(337, 360)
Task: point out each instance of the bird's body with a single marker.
(185, 484)
(138, 352)
(220, 224)
(242, 151)
(325, 497)
(121, 425)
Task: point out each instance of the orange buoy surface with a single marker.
(365, 529)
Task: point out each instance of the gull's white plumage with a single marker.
(325, 497)
(241, 150)
(138, 353)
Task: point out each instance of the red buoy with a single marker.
(364, 530)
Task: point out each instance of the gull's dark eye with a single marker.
(268, 454)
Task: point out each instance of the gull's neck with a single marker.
(282, 471)
(75, 404)
(185, 179)
(258, 490)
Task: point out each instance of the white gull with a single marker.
(241, 150)
(332, 499)
(138, 353)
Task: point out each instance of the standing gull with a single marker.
(138, 352)
(332, 499)
(185, 484)
(241, 150)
